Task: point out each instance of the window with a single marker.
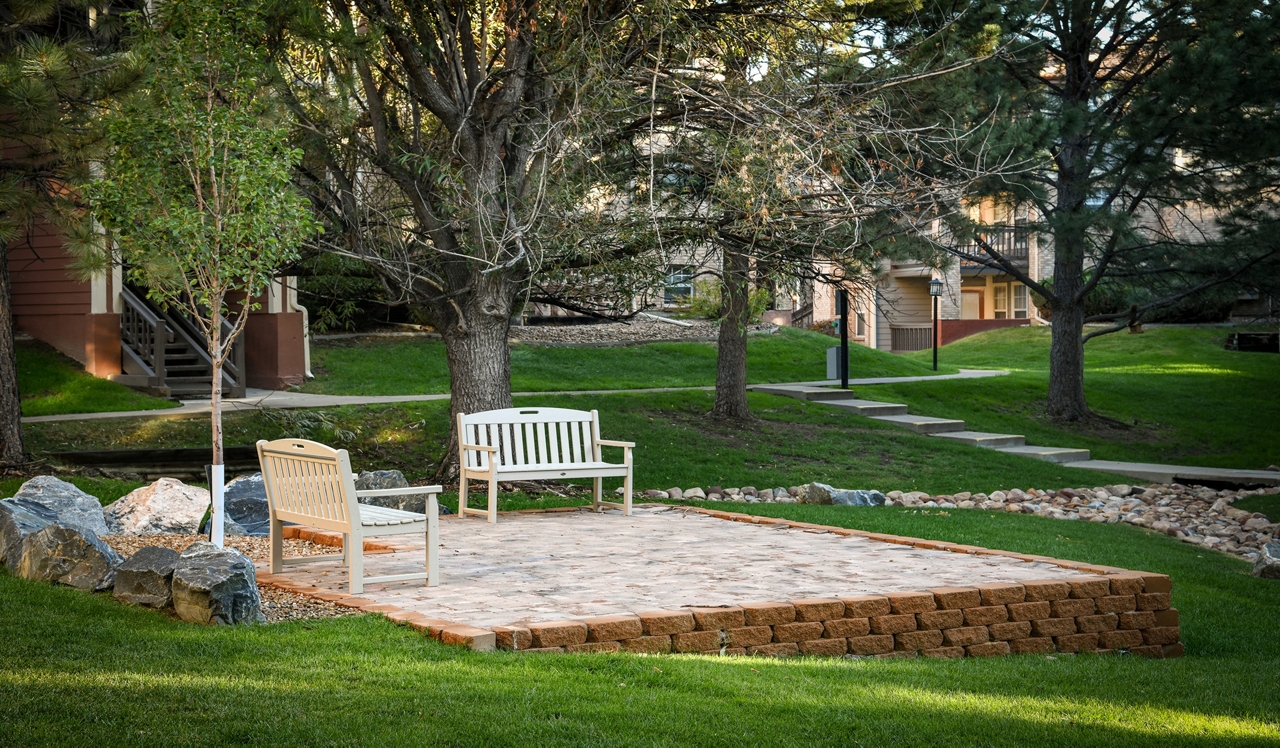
(860, 328)
(679, 286)
(1020, 301)
(1000, 301)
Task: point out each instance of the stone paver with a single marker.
(542, 567)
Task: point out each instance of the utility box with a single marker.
(833, 362)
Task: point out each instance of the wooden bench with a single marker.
(312, 484)
(537, 444)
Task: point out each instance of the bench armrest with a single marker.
(410, 491)
(613, 443)
(479, 448)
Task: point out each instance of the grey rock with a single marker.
(373, 480)
(821, 493)
(245, 501)
(147, 577)
(68, 554)
(749, 491)
(1268, 565)
(695, 493)
(73, 506)
(655, 494)
(216, 585)
(166, 507)
(675, 493)
(766, 494)
(18, 519)
(380, 479)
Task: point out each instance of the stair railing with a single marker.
(145, 335)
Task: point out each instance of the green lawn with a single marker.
(372, 366)
(793, 442)
(52, 384)
(80, 669)
(1177, 395)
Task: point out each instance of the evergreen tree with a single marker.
(1150, 139)
(57, 62)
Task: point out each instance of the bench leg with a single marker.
(493, 501)
(346, 549)
(626, 494)
(355, 567)
(277, 546)
(433, 541)
(597, 493)
(463, 485)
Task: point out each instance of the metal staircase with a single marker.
(164, 352)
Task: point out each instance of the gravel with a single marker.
(277, 605)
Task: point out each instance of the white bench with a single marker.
(312, 484)
(536, 444)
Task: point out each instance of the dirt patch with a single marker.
(258, 549)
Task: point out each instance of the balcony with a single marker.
(1014, 242)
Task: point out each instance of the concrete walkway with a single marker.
(259, 399)
(954, 430)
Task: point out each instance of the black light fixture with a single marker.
(935, 290)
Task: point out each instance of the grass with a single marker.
(81, 669)
(793, 442)
(371, 366)
(1173, 394)
(52, 384)
(1268, 505)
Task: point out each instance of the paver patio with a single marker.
(537, 567)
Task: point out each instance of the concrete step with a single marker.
(869, 407)
(923, 424)
(1160, 473)
(1049, 454)
(984, 439)
(802, 393)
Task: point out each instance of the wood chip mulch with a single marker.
(277, 605)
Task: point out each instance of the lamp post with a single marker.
(935, 290)
(842, 309)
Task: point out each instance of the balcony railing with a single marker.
(1014, 242)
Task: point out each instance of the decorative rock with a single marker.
(766, 494)
(166, 507)
(216, 585)
(18, 519)
(72, 505)
(821, 493)
(68, 554)
(1268, 565)
(749, 491)
(675, 493)
(695, 493)
(147, 577)
(652, 494)
(245, 501)
(373, 480)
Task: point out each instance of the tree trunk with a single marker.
(1066, 364)
(731, 360)
(479, 359)
(11, 449)
(215, 394)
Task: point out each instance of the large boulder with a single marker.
(245, 501)
(166, 507)
(1268, 565)
(68, 554)
(73, 506)
(216, 585)
(379, 479)
(18, 519)
(821, 493)
(147, 577)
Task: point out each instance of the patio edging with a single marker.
(1106, 609)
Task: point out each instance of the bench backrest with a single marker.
(529, 437)
(308, 481)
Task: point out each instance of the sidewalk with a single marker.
(259, 399)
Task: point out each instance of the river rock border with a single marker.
(1104, 610)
